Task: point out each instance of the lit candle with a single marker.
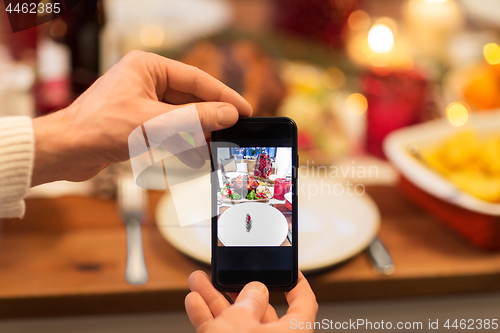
(393, 92)
(379, 46)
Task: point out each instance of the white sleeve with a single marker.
(17, 149)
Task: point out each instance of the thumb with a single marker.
(254, 298)
(215, 116)
(211, 116)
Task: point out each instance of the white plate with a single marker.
(432, 132)
(269, 225)
(332, 228)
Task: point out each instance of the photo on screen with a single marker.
(254, 199)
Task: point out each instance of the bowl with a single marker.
(476, 220)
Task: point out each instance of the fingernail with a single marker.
(256, 287)
(227, 115)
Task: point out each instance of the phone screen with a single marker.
(255, 214)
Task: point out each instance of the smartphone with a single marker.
(254, 204)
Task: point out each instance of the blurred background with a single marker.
(411, 87)
(349, 72)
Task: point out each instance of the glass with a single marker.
(281, 187)
(395, 100)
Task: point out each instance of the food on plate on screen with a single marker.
(245, 187)
(242, 183)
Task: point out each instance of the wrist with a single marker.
(52, 149)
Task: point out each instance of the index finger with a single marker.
(200, 282)
(191, 80)
(197, 310)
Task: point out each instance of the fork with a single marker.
(132, 203)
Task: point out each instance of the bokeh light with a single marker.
(356, 103)
(380, 38)
(333, 78)
(152, 36)
(359, 20)
(58, 28)
(457, 114)
(491, 53)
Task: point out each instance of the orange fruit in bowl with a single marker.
(496, 70)
(483, 88)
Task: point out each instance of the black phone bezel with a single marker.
(283, 132)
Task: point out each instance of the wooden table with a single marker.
(67, 257)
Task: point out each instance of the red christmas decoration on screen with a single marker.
(262, 166)
(248, 223)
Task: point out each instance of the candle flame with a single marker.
(380, 38)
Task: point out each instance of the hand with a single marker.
(79, 141)
(209, 311)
